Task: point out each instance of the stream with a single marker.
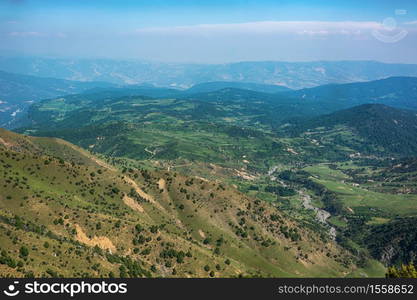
(321, 214)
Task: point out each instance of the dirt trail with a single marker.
(102, 163)
(142, 193)
(139, 190)
(132, 204)
(100, 241)
(202, 178)
(92, 157)
(6, 144)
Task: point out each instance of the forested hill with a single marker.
(399, 92)
(393, 129)
(218, 85)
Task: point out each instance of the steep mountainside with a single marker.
(64, 212)
(394, 242)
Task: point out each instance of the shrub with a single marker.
(24, 252)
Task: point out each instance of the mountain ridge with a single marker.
(394, 91)
(18, 91)
(291, 74)
(392, 128)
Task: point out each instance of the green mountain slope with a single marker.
(64, 212)
(228, 106)
(222, 131)
(394, 242)
(221, 126)
(242, 106)
(369, 128)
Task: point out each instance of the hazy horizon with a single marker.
(211, 32)
(140, 60)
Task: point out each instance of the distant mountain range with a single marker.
(18, 91)
(394, 91)
(379, 128)
(293, 75)
(278, 103)
(17, 87)
(218, 85)
(237, 106)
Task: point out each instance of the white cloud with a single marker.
(61, 35)
(27, 34)
(411, 23)
(36, 34)
(311, 28)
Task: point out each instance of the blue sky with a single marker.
(211, 31)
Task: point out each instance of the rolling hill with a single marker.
(224, 125)
(242, 106)
(141, 127)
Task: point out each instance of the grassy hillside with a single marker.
(66, 213)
